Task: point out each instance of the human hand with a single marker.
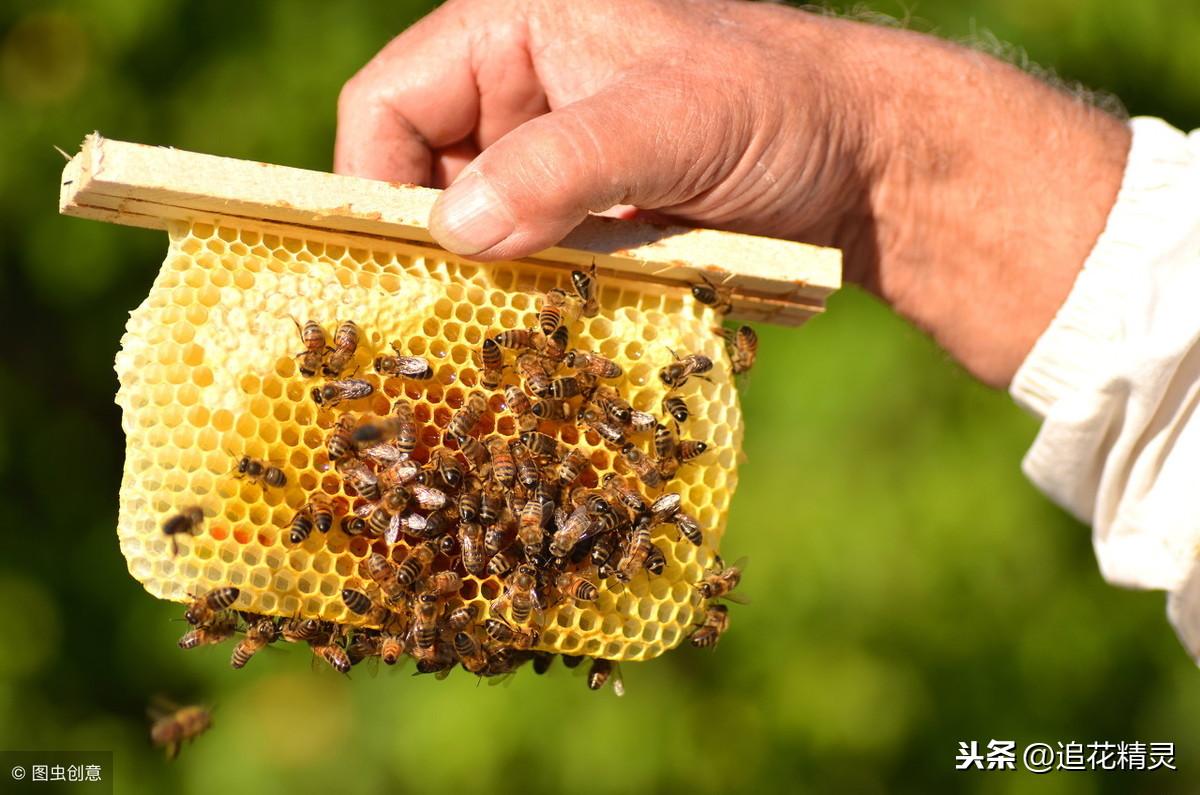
(965, 193)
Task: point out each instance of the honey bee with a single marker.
(260, 472)
(443, 583)
(718, 297)
(504, 467)
(534, 372)
(428, 498)
(666, 506)
(572, 660)
(642, 421)
(743, 348)
(569, 386)
(555, 409)
(345, 343)
(357, 601)
(518, 597)
(656, 561)
(577, 587)
(637, 549)
(475, 453)
(438, 659)
(301, 527)
(467, 416)
(593, 363)
(509, 635)
(383, 573)
(642, 466)
(572, 528)
(492, 359)
(619, 489)
(599, 674)
(429, 527)
(363, 645)
(415, 564)
(259, 635)
(542, 661)
(315, 348)
(203, 608)
(716, 621)
(529, 528)
(689, 528)
(690, 448)
(333, 654)
(188, 520)
(391, 646)
(491, 503)
(400, 427)
(208, 633)
(517, 339)
(426, 612)
(503, 562)
(448, 469)
(413, 367)
(603, 551)
(539, 444)
(550, 316)
(720, 580)
(571, 466)
(555, 348)
(516, 401)
(610, 432)
(363, 481)
(676, 407)
(676, 374)
(528, 472)
(470, 652)
(470, 542)
(334, 393)
(395, 499)
(301, 630)
(340, 442)
(495, 539)
(586, 289)
(665, 441)
(171, 729)
(353, 525)
(462, 616)
(468, 502)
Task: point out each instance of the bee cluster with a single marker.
(491, 494)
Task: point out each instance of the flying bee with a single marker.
(599, 674)
(571, 466)
(529, 528)
(551, 409)
(462, 616)
(502, 632)
(467, 416)
(690, 448)
(203, 608)
(363, 481)
(217, 629)
(720, 580)
(345, 343)
(637, 549)
(504, 466)
(578, 588)
(619, 489)
(172, 728)
(301, 526)
(517, 339)
(260, 472)
(383, 573)
(188, 520)
(572, 528)
(357, 601)
(334, 393)
(585, 284)
(503, 561)
(315, 347)
(716, 621)
(593, 363)
(676, 407)
(413, 367)
(442, 583)
(340, 442)
(555, 347)
(719, 297)
(259, 635)
(518, 596)
(470, 541)
(449, 469)
(426, 611)
(415, 564)
(676, 374)
(470, 652)
(535, 373)
(665, 441)
(428, 498)
(656, 561)
(642, 466)
(333, 654)
(492, 359)
(528, 472)
(539, 444)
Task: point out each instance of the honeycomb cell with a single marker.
(208, 364)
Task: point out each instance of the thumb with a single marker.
(628, 144)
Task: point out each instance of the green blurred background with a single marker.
(910, 589)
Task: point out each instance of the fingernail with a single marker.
(469, 217)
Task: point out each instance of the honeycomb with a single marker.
(208, 374)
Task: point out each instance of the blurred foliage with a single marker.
(909, 588)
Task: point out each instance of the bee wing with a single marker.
(160, 707)
(392, 535)
(734, 596)
(618, 681)
(412, 365)
(429, 497)
(365, 509)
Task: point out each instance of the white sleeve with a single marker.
(1116, 378)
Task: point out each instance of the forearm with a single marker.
(992, 189)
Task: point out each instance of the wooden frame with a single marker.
(772, 280)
